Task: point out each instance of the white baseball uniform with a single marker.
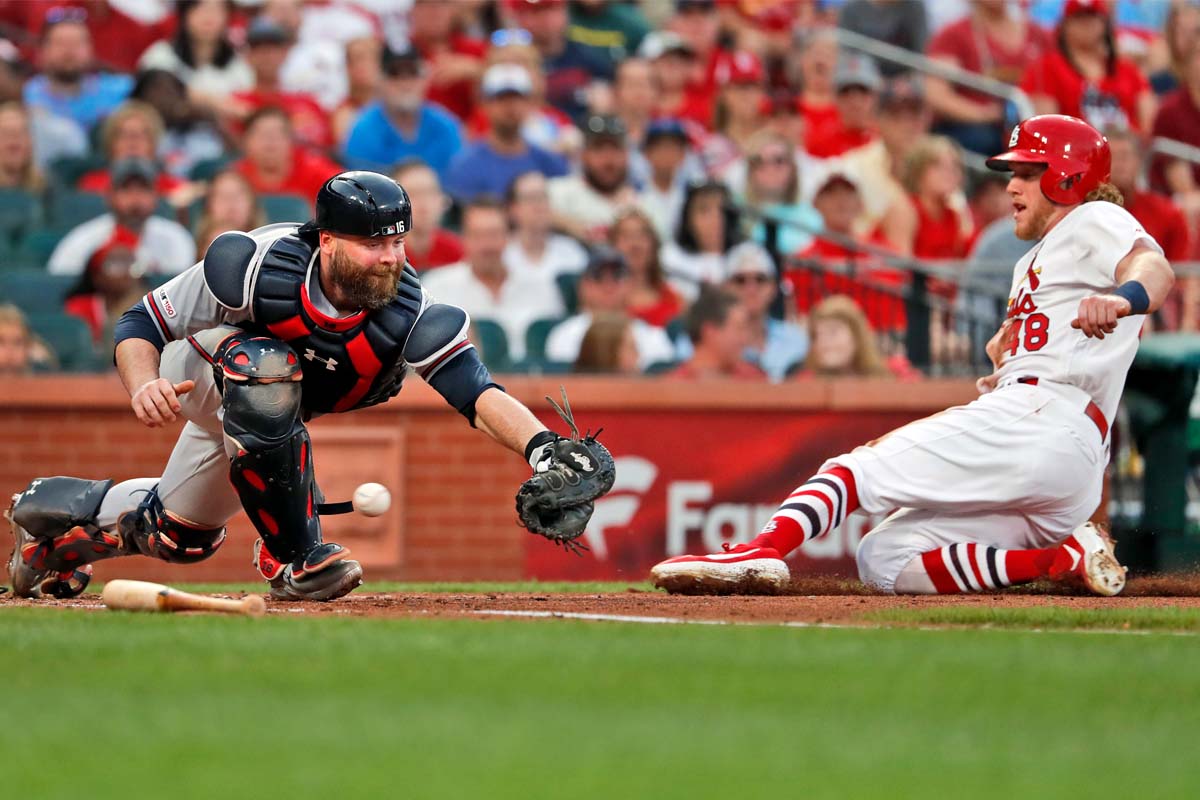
(1022, 466)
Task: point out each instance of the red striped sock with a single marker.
(816, 507)
(970, 567)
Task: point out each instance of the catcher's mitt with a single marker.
(557, 501)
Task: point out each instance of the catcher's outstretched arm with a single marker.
(506, 419)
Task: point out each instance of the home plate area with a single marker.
(806, 602)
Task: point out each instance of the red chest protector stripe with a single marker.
(290, 328)
(366, 364)
(336, 324)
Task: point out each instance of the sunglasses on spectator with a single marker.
(65, 14)
(747, 278)
(507, 37)
(774, 160)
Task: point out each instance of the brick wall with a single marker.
(452, 517)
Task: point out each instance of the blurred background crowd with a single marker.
(758, 189)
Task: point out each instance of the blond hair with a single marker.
(31, 178)
(867, 360)
(760, 141)
(11, 315)
(1106, 192)
(128, 110)
(601, 346)
(40, 353)
(928, 150)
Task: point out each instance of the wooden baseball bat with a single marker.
(143, 596)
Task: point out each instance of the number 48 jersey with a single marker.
(1078, 258)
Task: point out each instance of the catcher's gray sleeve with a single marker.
(187, 304)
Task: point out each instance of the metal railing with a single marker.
(947, 72)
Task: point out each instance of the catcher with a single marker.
(275, 327)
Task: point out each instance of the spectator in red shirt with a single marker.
(1179, 119)
(650, 299)
(738, 114)
(1084, 77)
(119, 39)
(428, 244)
(455, 59)
(1157, 214)
(932, 221)
(268, 45)
(996, 40)
(816, 65)
(857, 82)
(840, 204)
(133, 130)
(698, 23)
(719, 327)
(674, 64)
(1161, 218)
(109, 285)
(274, 163)
(842, 267)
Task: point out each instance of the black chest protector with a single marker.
(349, 362)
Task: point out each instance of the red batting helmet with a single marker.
(1076, 156)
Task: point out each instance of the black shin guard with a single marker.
(273, 469)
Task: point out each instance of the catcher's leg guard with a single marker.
(272, 473)
(153, 531)
(56, 538)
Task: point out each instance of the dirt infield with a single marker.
(806, 602)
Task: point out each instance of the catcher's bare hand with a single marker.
(1099, 313)
(157, 402)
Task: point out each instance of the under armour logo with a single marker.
(583, 461)
(33, 487)
(330, 363)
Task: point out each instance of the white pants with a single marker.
(1019, 468)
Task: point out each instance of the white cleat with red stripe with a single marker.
(1088, 556)
(741, 569)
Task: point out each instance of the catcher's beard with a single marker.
(360, 286)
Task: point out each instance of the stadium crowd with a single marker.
(691, 188)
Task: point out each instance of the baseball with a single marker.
(372, 499)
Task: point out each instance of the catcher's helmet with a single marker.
(362, 204)
(1076, 156)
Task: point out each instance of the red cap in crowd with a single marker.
(1073, 7)
(740, 67)
(517, 5)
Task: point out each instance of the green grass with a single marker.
(1049, 617)
(108, 705)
